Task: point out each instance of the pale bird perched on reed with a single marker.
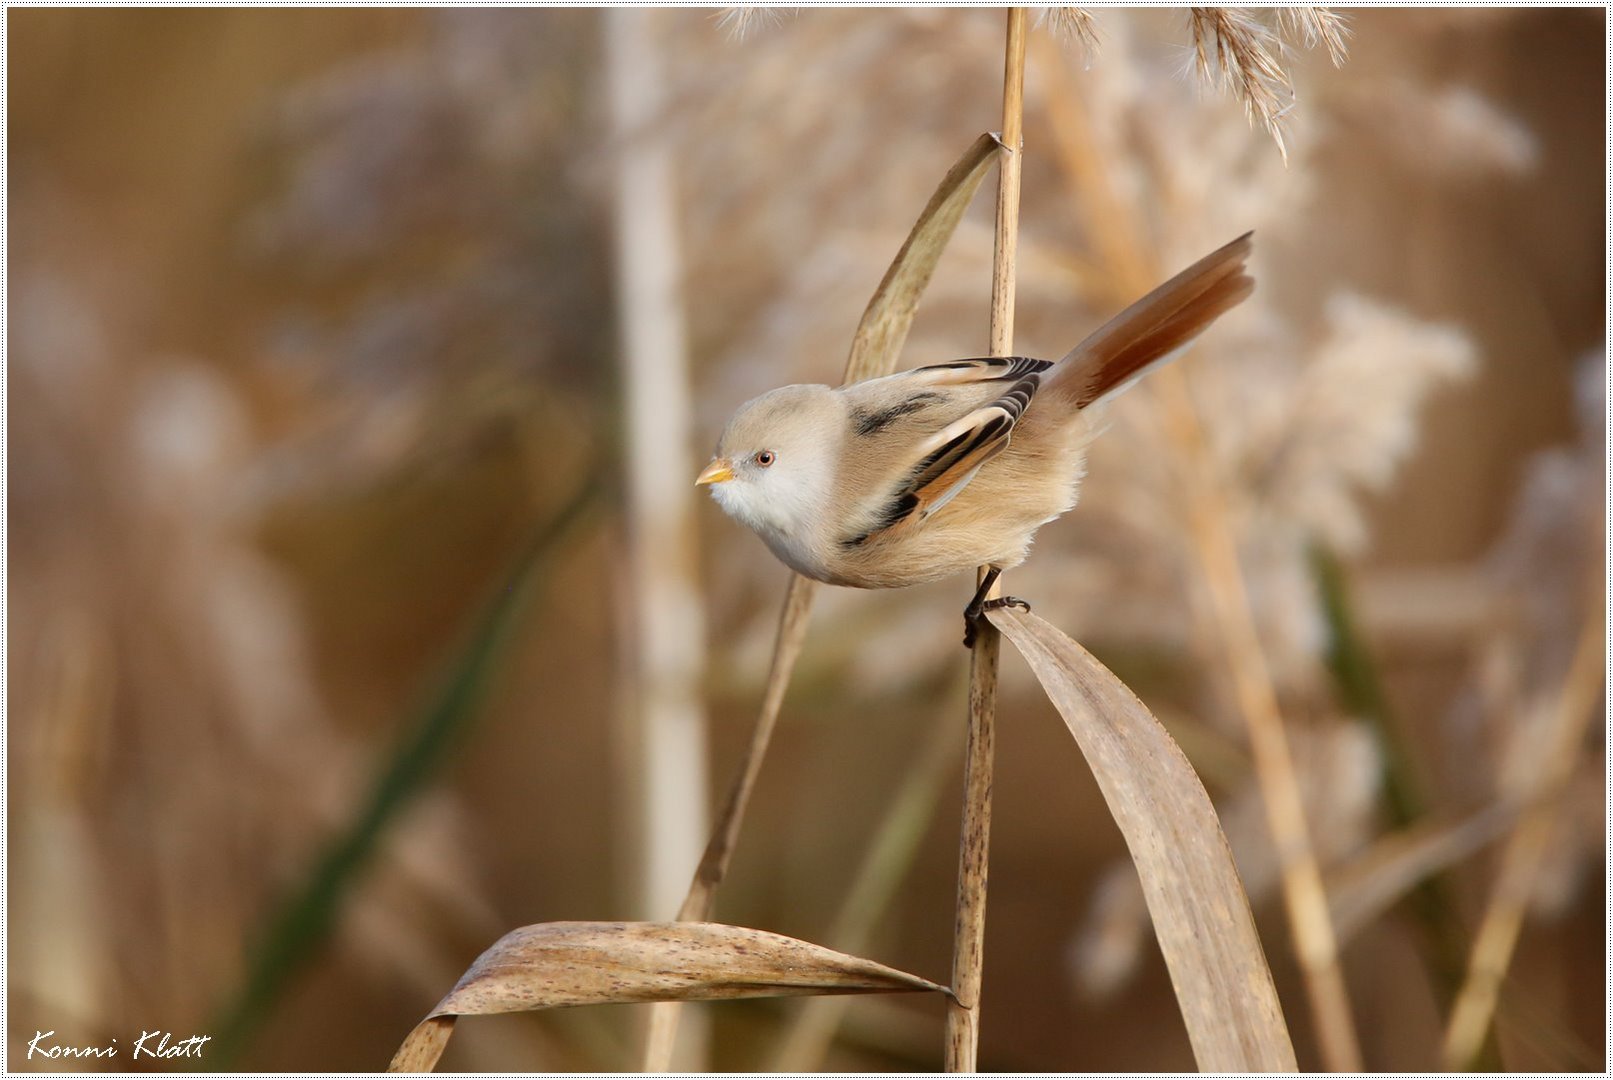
(931, 472)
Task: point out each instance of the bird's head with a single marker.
(775, 464)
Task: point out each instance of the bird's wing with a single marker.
(946, 461)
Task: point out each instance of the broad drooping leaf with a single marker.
(551, 965)
(1199, 909)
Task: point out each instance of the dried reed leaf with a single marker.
(1200, 913)
(583, 963)
(889, 315)
(553, 965)
(423, 1047)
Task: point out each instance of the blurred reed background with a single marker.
(315, 329)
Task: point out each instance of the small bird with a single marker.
(935, 471)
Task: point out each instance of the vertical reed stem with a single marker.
(668, 733)
(969, 929)
(669, 624)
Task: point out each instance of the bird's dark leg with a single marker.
(979, 605)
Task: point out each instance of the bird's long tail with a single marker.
(1156, 329)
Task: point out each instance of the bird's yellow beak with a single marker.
(715, 473)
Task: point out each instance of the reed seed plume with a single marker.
(1236, 51)
(741, 21)
(1071, 24)
(1320, 26)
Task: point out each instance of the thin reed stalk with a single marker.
(1497, 938)
(720, 849)
(1116, 227)
(969, 926)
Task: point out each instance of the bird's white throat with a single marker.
(787, 508)
(769, 508)
(773, 519)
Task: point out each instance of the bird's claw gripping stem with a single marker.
(976, 611)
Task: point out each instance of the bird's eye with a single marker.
(764, 458)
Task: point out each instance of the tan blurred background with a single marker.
(314, 321)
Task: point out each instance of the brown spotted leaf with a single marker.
(595, 963)
(423, 1046)
(1199, 909)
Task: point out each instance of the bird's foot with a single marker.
(976, 611)
(975, 615)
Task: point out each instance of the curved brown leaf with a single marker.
(552, 965)
(423, 1046)
(1199, 909)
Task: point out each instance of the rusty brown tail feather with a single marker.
(1155, 327)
